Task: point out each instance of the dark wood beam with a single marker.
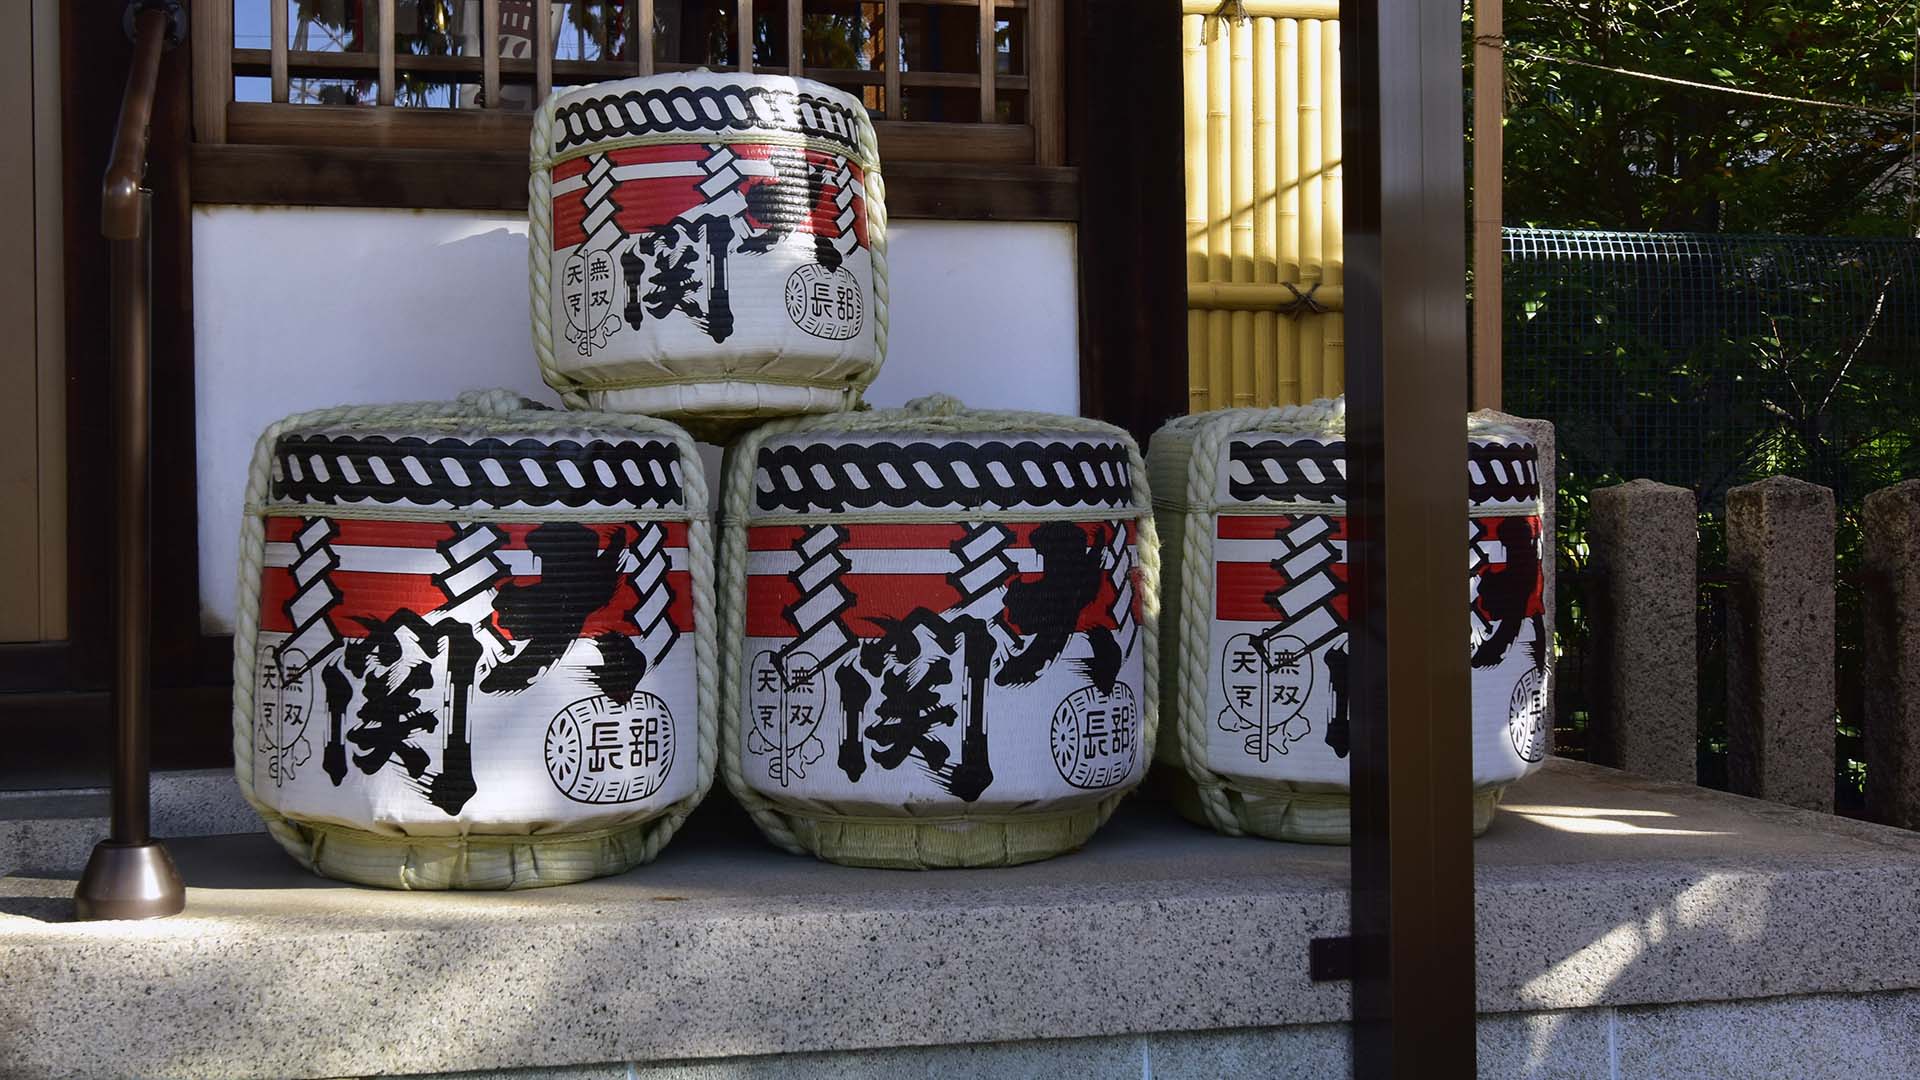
(1406, 479)
(497, 180)
(1124, 123)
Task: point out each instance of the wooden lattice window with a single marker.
(464, 74)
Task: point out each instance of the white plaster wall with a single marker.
(302, 308)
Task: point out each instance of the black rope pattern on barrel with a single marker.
(848, 476)
(698, 110)
(460, 472)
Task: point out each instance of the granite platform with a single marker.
(1596, 891)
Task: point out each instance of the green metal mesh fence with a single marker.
(1708, 361)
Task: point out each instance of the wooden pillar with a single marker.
(1412, 900)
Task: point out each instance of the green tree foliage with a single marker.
(1596, 149)
(1713, 365)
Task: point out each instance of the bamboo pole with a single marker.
(1489, 106)
(1219, 211)
(1197, 188)
(1286, 389)
(1259, 296)
(1333, 261)
(1242, 194)
(1266, 245)
(1312, 251)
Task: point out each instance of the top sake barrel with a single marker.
(1252, 505)
(706, 247)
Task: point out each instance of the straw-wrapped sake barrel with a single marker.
(937, 633)
(468, 642)
(1252, 506)
(708, 247)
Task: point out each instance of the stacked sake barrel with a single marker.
(474, 645)
(1252, 505)
(709, 248)
(938, 639)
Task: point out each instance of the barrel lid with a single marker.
(700, 105)
(935, 454)
(1307, 462)
(475, 464)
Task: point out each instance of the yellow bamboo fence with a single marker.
(1264, 250)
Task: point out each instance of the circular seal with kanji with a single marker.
(825, 303)
(1527, 716)
(1095, 736)
(602, 751)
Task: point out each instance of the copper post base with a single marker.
(129, 881)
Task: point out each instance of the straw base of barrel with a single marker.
(470, 862)
(716, 411)
(1302, 816)
(950, 844)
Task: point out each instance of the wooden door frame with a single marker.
(54, 695)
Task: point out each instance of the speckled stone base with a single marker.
(942, 845)
(1302, 814)
(726, 950)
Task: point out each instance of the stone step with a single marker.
(54, 831)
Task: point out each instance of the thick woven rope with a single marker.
(906, 841)
(714, 426)
(1184, 459)
(474, 861)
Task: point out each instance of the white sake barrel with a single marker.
(708, 247)
(937, 633)
(468, 642)
(1252, 506)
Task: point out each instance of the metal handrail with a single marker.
(121, 191)
(130, 875)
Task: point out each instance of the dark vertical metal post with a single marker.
(1406, 473)
(130, 875)
(132, 262)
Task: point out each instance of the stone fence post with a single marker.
(1891, 520)
(1645, 538)
(1780, 642)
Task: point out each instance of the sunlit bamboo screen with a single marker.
(1264, 251)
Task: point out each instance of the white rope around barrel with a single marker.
(540, 249)
(876, 202)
